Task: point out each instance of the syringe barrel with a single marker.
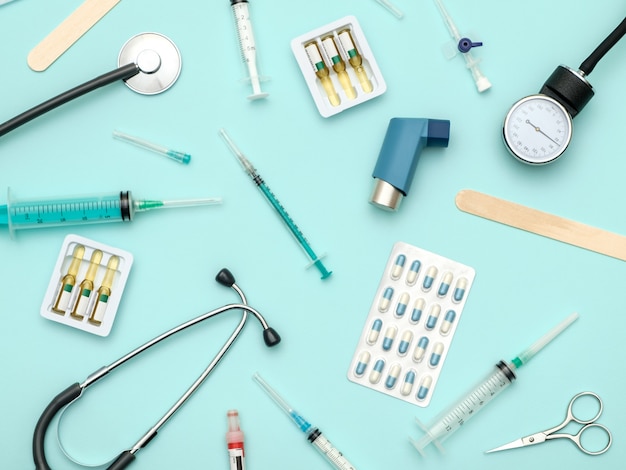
(332, 454)
(444, 425)
(99, 208)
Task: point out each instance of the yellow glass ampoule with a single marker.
(68, 281)
(322, 72)
(339, 66)
(86, 287)
(104, 292)
(355, 59)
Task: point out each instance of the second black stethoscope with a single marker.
(73, 392)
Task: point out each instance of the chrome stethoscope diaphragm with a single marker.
(158, 63)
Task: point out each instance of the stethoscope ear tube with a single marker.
(62, 399)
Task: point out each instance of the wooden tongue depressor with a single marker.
(68, 32)
(542, 223)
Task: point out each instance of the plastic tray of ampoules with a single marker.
(86, 285)
(338, 66)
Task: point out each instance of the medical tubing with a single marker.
(62, 399)
(123, 73)
(605, 46)
(122, 461)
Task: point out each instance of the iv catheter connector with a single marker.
(464, 45)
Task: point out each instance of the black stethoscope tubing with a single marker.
(75, 390)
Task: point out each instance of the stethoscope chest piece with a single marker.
(158, 60)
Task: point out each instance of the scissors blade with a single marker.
(537, 438)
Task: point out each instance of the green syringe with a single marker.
(478, 397)
(273, 200)
(78, 210)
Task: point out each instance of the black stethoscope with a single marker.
(149, 63)
(73, 392)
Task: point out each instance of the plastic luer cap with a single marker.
(400, 152)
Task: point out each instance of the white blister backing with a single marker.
(411, 323)
(86, 285)
(357, 92)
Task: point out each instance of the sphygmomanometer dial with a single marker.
(537, 129)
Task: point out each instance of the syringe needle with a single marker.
(529, 353)
(314, 435)
(302, 424)
(247, 166)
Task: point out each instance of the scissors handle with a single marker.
(570, 409)
(577, 438)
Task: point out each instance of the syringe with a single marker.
(452, 419)
(265, 190)
(247, 45)
(78, 210)
(314, 435)
(464, 45)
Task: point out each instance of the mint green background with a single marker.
(321, 171)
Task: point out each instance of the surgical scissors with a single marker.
(73, 392)
(549, 434)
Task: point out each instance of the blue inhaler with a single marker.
(400, 152)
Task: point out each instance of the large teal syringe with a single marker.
(98, 208)
(265, 190)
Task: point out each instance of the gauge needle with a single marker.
(538, 129)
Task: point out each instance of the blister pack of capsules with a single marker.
(86, 285)
(411, 323)
(338, 66)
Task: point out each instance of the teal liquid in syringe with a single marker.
(93, 209)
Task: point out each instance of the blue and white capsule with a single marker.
(448, 320)
(418, 308)
(398, 267)
(435, 356)
(425, 384)
(361, 365)
(390, 336)
(392, 377)
(420, 349)
(459, 290)
(405, 342)
(407, 385)
(402, 304)
(433, 316)
(411, 277)
(444, 287)
(372, 337)
(385, 300)
(377, 371)
(429, 278)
